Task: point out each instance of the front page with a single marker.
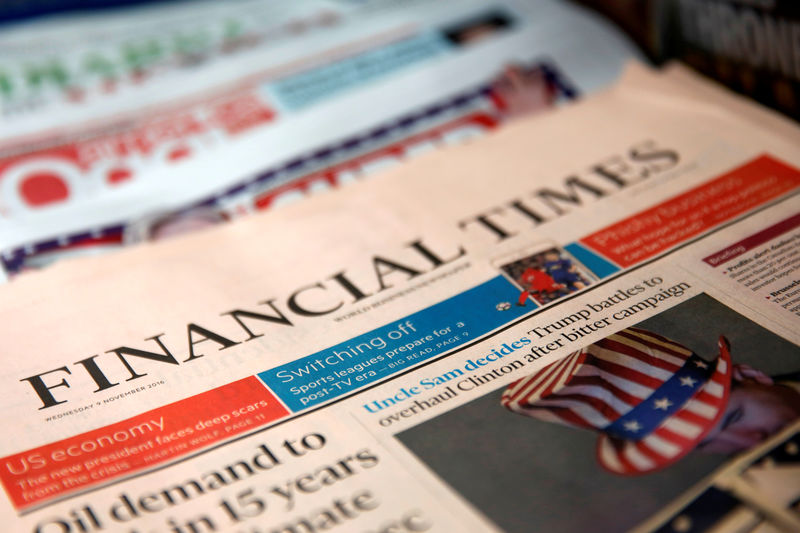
(570, 323)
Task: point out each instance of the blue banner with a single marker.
(600, 266)
(303, 89)
(396, 346)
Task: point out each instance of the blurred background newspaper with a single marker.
(281, 99)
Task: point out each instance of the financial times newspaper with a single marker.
(585, 320)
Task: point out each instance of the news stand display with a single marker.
(397, 267)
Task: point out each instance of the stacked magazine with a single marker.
(579, 319)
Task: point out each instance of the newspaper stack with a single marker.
(586, 320)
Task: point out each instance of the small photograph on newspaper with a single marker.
(543, 273)
(479, 27)
(631, 429)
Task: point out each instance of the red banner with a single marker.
(172, 431)
(659, 228)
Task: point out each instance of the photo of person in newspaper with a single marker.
(661, 415)
(653, 400)
(543, 275)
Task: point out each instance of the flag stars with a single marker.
(633, 426)
(662, 404)
(701, 364)
(688, 381)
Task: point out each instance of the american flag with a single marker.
(651, 399)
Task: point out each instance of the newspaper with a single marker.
(303, 96)
(584, 320)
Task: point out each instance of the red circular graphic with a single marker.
(178, 153)
(42, 188)
(118, 175)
